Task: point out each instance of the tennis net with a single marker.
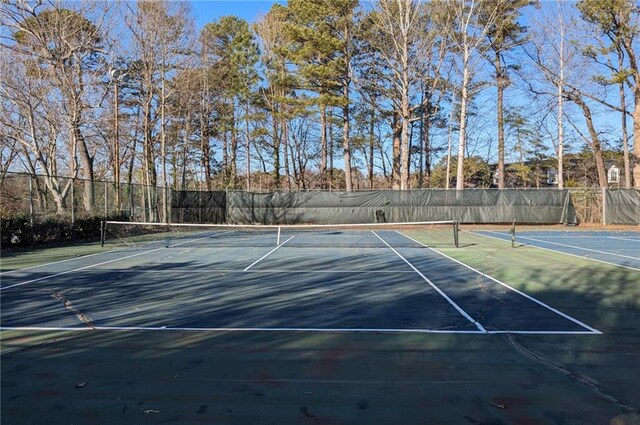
(371, 235)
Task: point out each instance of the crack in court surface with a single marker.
(59, 296)
(571, 374)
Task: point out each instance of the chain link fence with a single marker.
(43, 209)
(42, 197)
(588, 204)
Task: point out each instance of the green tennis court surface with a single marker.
(340, 326)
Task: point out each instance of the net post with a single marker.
(456, 230)
(513, 234)
(103, 226)
(278, 241)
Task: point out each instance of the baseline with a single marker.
(284, 329)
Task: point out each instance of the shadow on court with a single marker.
(109, 376)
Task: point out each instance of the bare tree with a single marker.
(399, 39)
(160, 31)
(30, 118)
(67, 47)
(552, 55)
(472, 20)
(618, 22)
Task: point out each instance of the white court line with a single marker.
(445, 296)
(545, 332)
(76, 270)
(555, 250)
(293, 271)
(91, 255)
(267, 254)
(566, 316)
(310, 330)
(97, 264)
(59, 261)
(623, 239)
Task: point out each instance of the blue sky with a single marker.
(249, 10)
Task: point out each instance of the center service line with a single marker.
(267, 254)
(445, 296)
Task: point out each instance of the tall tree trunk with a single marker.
(561, 105)
(595, 142)
(396, 160)
(635, 70)
(185, 156)
(636, 139)
(163, 147)
(500, 82)
(116, 145)
(248, 146)
(331, 145)
(404, 148)
(205, 147)
(449, 143)
(234, 154)
(371, 146)
(346, 82)
(427, 148)
(87, 167)
(276, 147)
(625, 136)
(323, 146)
(463, 124)
(225, 157)
(560, 134)
(345, 141)
(285, 151)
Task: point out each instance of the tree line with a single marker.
(318, 94)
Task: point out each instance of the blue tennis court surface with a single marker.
(621, 248)
(394, 284)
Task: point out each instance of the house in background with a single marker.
(578, 172)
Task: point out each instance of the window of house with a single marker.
(552, 176)
(613, 175)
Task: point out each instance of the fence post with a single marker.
(106, 205)
(73, 203)
(31, 200)
(604, 206)
(131, 201)
(169, 206)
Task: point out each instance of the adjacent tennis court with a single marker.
(336, 324)
(608, 246)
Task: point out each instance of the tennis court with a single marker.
(322, 281)
(324, 325)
